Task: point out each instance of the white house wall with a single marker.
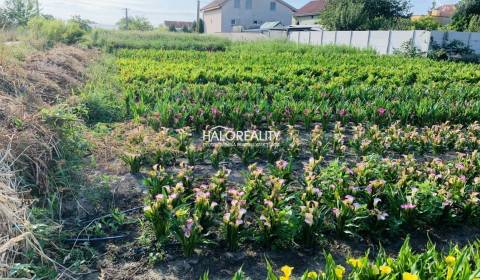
(260, 12)
(305, 20)
(213, 21)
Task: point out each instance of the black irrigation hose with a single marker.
(85, 222)
(94, 239)
(100, 239)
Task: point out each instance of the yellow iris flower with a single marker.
(287, 272)
(385, 269)
(357, 263)
(450, 260)
(339, 272)
(312, 275)
(409, 276)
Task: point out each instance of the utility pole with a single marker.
(126, 18)
(38, 9)
(198, 16)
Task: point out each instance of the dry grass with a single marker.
(40, 81)
(15, 234)
(29, 83)
(11, 210)
(13, 223)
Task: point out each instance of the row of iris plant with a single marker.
(339, 141)
(271, 83)
(375, 197)
(432, 264)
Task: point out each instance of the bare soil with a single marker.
(128, 259)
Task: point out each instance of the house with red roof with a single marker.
(310, 13)
(230, 15)
(442, 14)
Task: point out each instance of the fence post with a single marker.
(368, 39)
(351, 35)
(298, 37)
(469, 38)
(429, 42)
(321, 38)
(414, 35)
(309, 37)
(335, 41)
(389, 43)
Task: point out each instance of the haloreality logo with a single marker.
(228, 136)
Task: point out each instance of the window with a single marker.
(233, 22)
(273, 6)
(248, 4)
(237, 4)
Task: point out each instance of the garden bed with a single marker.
(371, 150)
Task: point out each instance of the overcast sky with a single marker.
(108, 12)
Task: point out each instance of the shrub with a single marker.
(474, 25)
(52, 31)
(364, 14)
(135, 23)
(454, 50)
(17, 12)
(466, 15)
(112, 40)
(426, 23)
(83, 23)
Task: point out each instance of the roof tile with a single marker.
(312, 7)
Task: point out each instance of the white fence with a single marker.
(385, 42)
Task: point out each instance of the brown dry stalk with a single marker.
(12, 212)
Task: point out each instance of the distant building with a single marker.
(234, 15)
(179, 25)
(442, 14)
(310, 13)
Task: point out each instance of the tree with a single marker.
(426, 23)
(363, 14)
(84, 24)
(201, 28)
(18, 12)
(465, 17)
(343, 15)
(3, 20)
(474, 25)
(387, 8)
(135, 23)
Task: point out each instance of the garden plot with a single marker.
(371, 150)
